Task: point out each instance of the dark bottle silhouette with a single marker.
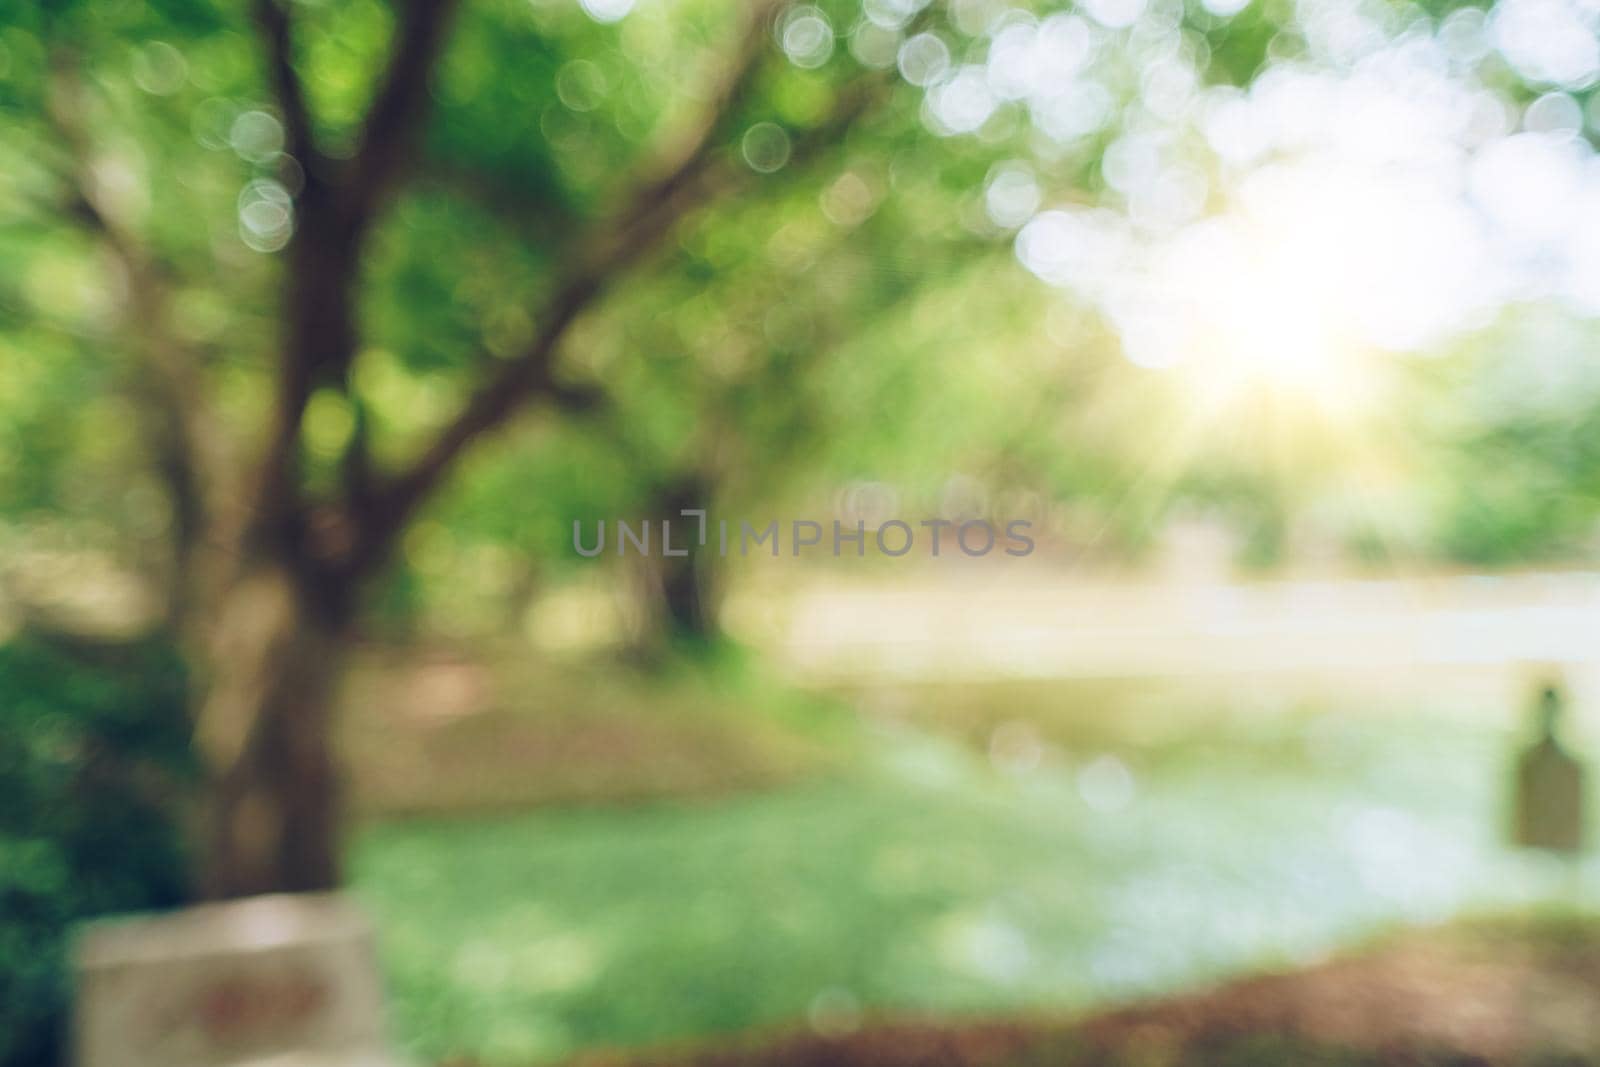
(1548, 804)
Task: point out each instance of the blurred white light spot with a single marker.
(1115, 13)
(873, 45)
(1012, 195)
(266, 215)
(766, 147)
(1547, 40)
(1224, 8)
(1526, 184)
(963, 103)
(806, 37)
(1106, 785)
(1152, 335)
(1171, 197)
(1131, 162)
(1168, 89)
(1015, 748)
(1487, 117)
(891, 14)
(607, 10)
(1553, 113)
(1010, 61)
(924, 59)
(159, 68)
(256, 136)
(1066, 42)
(1028, 61)
(1465, 36)
(849, 200)
(1342, 34)
(974, 17)
(1232, 130)
(1077, 111)
(1071, 247)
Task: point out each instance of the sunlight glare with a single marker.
(1286, 296)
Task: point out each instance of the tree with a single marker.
(274, 552)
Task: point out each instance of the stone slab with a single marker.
(274, 981)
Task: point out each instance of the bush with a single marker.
(94, 761)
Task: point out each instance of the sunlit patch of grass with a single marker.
(925, 874)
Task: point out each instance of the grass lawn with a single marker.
(1498, 993)
(983, 850)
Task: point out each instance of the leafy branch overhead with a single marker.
(342, 195)
(235, 360)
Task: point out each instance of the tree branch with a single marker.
(321, 334)
(394, 118)
(273, 19)
(694, 175)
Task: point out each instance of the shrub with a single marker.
(95, 758)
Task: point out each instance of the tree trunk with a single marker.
(266, 726)
(688, 596)
(679, 593)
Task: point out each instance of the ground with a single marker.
(1486, 993)
(954, 851)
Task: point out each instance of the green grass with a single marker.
(927, 877)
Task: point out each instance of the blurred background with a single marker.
(322, 324)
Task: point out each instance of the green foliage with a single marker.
(94, 755)
(1241, 45)
(1515, 419)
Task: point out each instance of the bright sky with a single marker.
(1370, 197)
